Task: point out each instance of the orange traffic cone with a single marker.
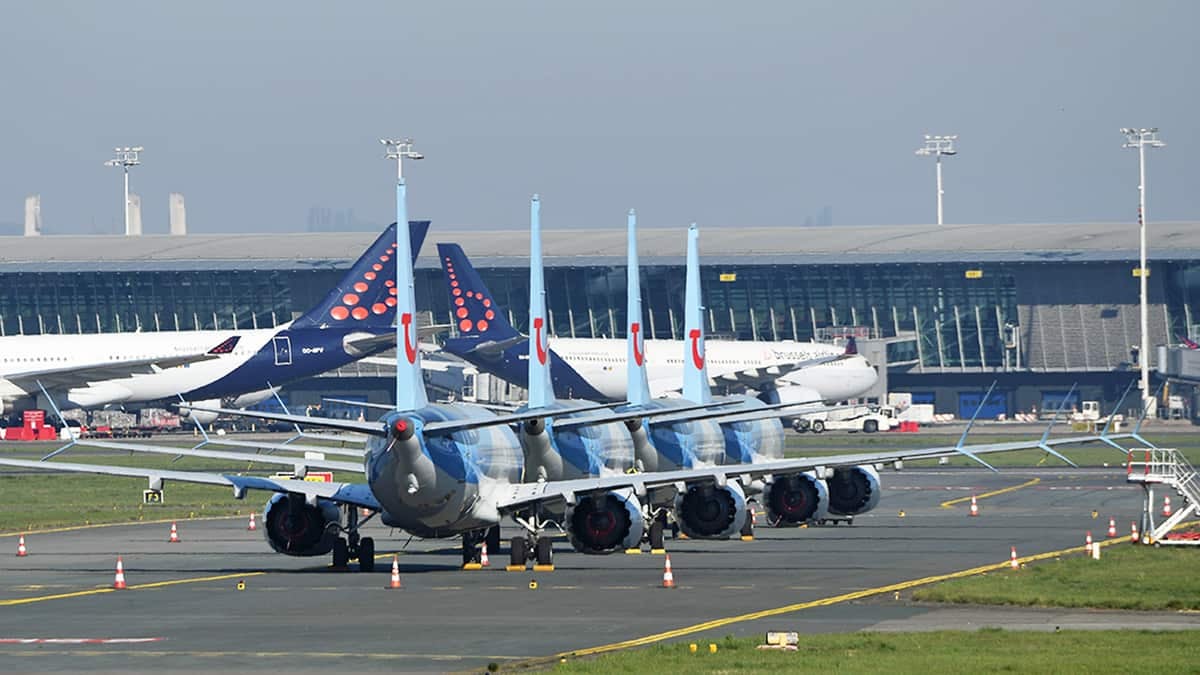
(1112, 527)
(668, 576)
(1087, 543)
(119, 580)
(974, 506)
(251, 527)
(483, 556)
(1012, 561)
(21, 552)
(174, 535)
(395, 583)
(1166, 506)
(1133, 533)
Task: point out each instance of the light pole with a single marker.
(1142, 139)
(938, 146)
(400, 150)
(125, 158)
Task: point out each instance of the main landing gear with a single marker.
(352, 546)
(471, 541)
(533, 544)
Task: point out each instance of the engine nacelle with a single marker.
(293, 527)
(795, 499)
(709, 511)
(605, 523)
(853, 490)
(98, 395)
(252, 398)
(542, 461)
(204, 418)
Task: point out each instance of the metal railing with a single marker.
(1168, 467)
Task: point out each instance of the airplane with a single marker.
(454, 470)
(593, 368)
(243, 368)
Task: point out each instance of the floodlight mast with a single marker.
(126, 157)
(400, 150)
(1142, 139)
(938, 146)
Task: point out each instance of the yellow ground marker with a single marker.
(993, 493)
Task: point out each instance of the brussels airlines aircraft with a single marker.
(594, 368)
(445, 470)
(234, 367)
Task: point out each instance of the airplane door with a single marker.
(283, 351)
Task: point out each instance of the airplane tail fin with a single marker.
(1188, 342)
(695, 370)
(410, 382)
(475, 310)
(366, 295)
(851, 346)
(637, 386)
(541, 388)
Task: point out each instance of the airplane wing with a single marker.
(58, 377)
(296, 461)
(523, 495)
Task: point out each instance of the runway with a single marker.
(296, 614)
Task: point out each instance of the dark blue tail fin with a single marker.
(475, 310)
(366, 296)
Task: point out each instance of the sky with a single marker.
(722, 113)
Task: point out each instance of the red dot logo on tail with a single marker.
(697, 350)
(635, 330)
(410, 349)
(538, 340)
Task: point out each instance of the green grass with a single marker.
(1125, 577)
(33, 501)
(988, 650)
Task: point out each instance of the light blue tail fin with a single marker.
(637, 386)
(695, 370)
(541, 388)
(410, 384)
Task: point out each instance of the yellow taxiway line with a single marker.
(76, 528)
(993, 493)
(134, 587)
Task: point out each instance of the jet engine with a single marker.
(853, 490)
(94, 396)
(710, 511)
(795, 499)
(604, 523)
(294, 527)
(542, 461)
(247, 400)
(204, 418)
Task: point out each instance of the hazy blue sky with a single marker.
(727, 113)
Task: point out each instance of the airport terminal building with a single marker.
(1035, 307)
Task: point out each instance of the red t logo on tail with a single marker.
(634, 330)
(410, 350)
(537, 337)
(697, 354)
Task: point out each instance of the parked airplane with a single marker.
(234, 368)
(594, 368)
(445, 470)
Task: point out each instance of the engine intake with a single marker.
(853, 490)
(711, 512)
(795, 499)
(605, 523)
(293, 527)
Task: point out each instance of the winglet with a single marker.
(541, 388)
(1062, 404)
(1104, 432)
(61, 420)
(637, 385)
(695, 370)
(226, 347)
(1137, 430)
(960, 446)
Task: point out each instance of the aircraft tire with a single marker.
(341, 553)
(518, 552)
(656, 534)
(470, 552)
(366, 554)
(748, 526)
(545, 551)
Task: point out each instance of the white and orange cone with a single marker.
(395, 582)
(1087, 543)
(668, 576)
(974, 506)
(119, 579)
(251, 527)
(21, 550)
(1012, 560)
(483, 556)
(174, 535)
(1133, 533)
(1166, 506)
(1112, 527)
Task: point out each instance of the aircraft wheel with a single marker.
(470, 552)
(545, 551)
(341, 553)
(817, 426)
(656, 535)
(518, 552)
(748, 526)
(366, 554)
(493, 540)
